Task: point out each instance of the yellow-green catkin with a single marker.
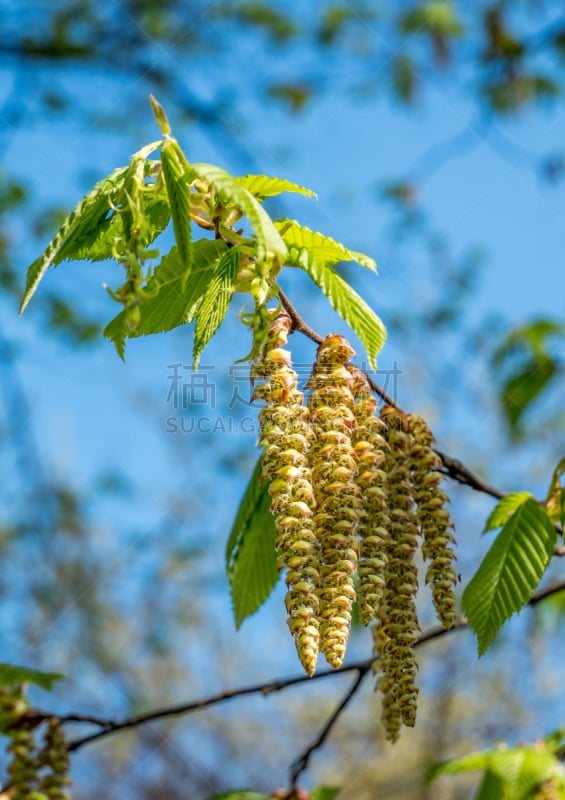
(339, 500)
(397, 617)
(390, 712)
(549, 790)
(22, 769)
(374, 523)
(286, 437)
(434, 520)
(55, 757)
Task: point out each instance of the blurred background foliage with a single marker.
(404, 116)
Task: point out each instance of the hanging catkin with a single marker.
(22, 769)
(339, 501)
(374, 523)
(433, 519)
(55, 757)
(398, 618)
(286, 437)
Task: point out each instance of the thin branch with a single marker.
(110, 726)
(298, 323)
(462, 474)
(301, 764)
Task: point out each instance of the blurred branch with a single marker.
(301, 764)
(453, 146)
(109, 726)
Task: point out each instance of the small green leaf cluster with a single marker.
(528, 772)
(123, 215)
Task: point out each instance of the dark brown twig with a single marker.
(298, 323)
(111, 726)
(301, 764)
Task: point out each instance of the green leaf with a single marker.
(176, 294)
(470, 763)
(504, 509)
(527, 360)
(215, 303)
(555, 500)
(10, 674)
(491, 788)
(524, 386)
(531, 338)
(96, 244)
(350, 306)
(263, 186)
(511, 774)
(174, 164)
(315, 247)
(510, 571)
(437, 17)
(522, 770)
(554, 740)
(86, 215)
(230, 193)
(250, 553)
(239, 795)
(91, 210)
(325, 792)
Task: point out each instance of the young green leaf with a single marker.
(510, 774)
(160, 116)
(315, 247)
(491, 788)
(325, 792)
(524, 386)
(97, 244)
(510, 571)
(174, 164)
(555, 500)
(504, 509)
(262, 186)
(215, 302)
(269, 243)
(90, 212)
(469, 763)
(350, 306)
(242, 794)
(10, 674)
(175, 295)
(250, 553)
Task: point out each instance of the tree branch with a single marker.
(110, 726)
(300, 765)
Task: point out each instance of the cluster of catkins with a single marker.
(353, 494)
(33, 773)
